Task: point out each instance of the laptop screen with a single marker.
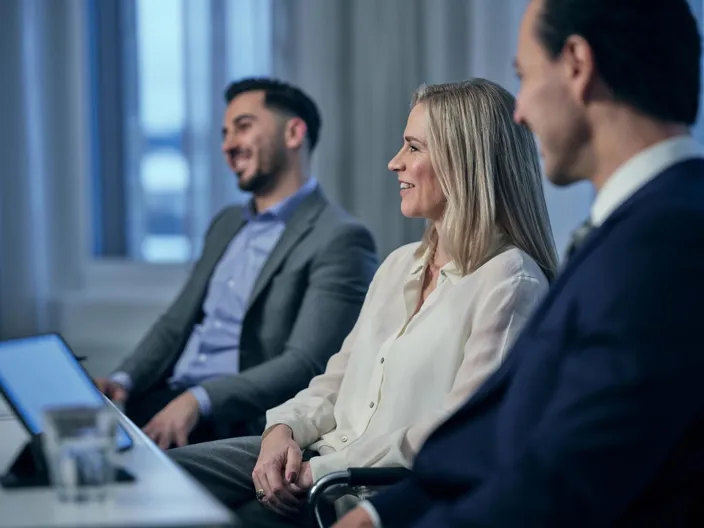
(39, 372)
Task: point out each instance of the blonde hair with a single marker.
(489, 172)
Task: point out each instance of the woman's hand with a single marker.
(305, 480)
(278, 466)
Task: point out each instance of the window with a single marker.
(158, 72)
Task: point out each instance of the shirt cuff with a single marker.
(204, 403)
(123, 379)
(371, 511)
(300, 435)
(325, 464)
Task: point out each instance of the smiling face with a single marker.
(421, 194)
(549, 102)
(254, 142)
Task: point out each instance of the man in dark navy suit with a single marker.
(597, 416)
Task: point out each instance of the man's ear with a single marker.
(579, 66)
(295, 133)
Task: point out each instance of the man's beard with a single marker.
(271, 164)
(258, 183)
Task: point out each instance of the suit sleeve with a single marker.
(166, 337)
(338, 282)
(628, 390)
(401, 504)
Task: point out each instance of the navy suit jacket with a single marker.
(596, 417)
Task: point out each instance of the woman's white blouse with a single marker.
(399, 375)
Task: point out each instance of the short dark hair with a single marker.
(647, 51)
(281, 96)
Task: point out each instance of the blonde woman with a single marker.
(438, 318)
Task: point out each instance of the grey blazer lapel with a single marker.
(229, 231)
(297, 227)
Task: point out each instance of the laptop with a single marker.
(41, 371)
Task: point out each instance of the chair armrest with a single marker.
(352, 477)
(317, 492)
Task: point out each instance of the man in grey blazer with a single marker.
(278, 287)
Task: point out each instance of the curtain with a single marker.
(361, 60)
(40, 201)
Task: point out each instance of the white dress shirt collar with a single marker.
(451, 270)
(639, 170)
(423, 260)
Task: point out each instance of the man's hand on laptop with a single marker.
(112, 390)
(174, 423)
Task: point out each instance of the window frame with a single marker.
(117, 200)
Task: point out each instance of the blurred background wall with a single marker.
(110, 117)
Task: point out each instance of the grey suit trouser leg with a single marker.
(225, 468)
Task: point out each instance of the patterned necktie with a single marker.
(578, 236)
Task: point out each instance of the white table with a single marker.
(163, 496)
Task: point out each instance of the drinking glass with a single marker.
(79, 445)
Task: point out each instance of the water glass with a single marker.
(79, 444)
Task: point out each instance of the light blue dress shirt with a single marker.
(214, 345)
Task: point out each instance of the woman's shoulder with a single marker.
(395, 268)
(512, 264)
(402, 257)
